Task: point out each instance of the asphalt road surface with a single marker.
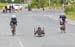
(27, 21)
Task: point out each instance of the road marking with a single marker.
(21, 44)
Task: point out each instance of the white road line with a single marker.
(20, 43)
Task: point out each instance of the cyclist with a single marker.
(13, 24)
(62, 22)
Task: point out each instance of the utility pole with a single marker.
(38, 1)
(49, 2)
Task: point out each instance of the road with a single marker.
(27, 21)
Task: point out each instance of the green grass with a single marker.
(71, 15)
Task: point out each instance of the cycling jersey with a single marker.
(13, 21)
(63, 17)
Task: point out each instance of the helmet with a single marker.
(13, 16)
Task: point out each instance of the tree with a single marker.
(45, 3)
(34, 3)
(39, 3)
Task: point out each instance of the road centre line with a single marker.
(20, 43)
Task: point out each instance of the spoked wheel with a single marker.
(62, 28)
(42, 34)
(13, 33)
(13, 30)
(39, 35)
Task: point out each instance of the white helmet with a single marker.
(13, 16)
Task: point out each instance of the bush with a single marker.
(70, 9)
(2, 4)
(70, 12)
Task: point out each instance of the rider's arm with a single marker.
(43, 32)
(35, 32)
(16, 22)
(10, 23)
(66, 19)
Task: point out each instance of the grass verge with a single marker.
(71, 15)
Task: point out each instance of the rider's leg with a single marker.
(13, 32)
(14, 29)
(61, 28)
(64, 27)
